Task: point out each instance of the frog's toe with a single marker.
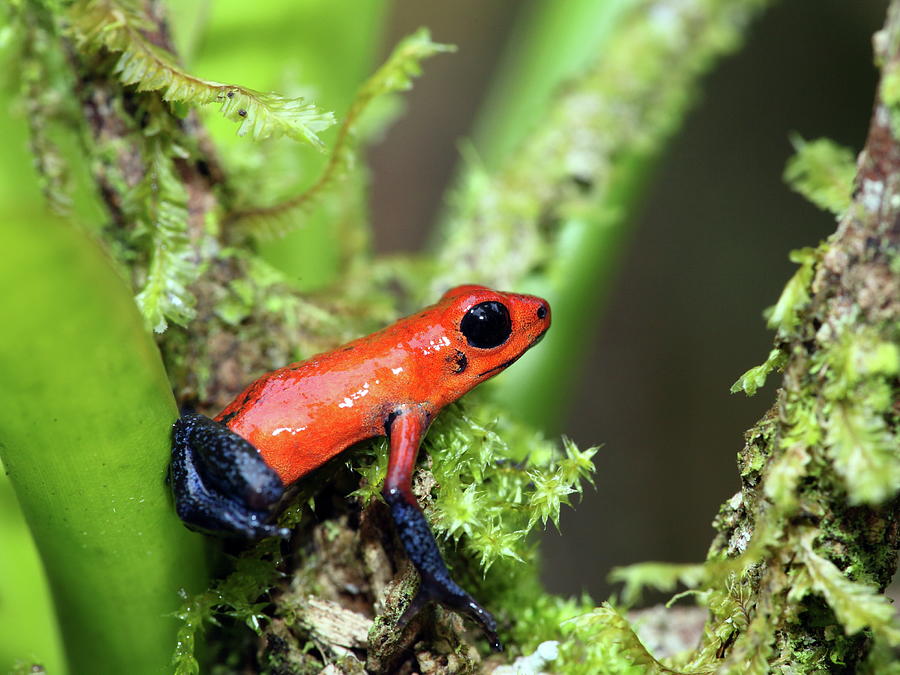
(447, 593)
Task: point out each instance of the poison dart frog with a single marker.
(229, 473)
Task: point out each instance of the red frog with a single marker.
(228, 474)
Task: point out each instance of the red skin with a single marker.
(302, 415)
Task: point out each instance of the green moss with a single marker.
(602, 641)
(755, 378)
(498, 479)
(823, 172)
(237, 596)
(396, 75)
(118, 26)
(797, 570)
(784, 316)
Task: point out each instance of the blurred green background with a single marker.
(708, 251)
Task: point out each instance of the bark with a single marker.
(853, 311)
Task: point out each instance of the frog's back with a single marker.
(302, 415)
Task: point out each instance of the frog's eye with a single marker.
(486, 325)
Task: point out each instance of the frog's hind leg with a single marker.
(406, 431)
(220, 483)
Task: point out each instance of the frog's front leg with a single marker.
(406, 430)
(220, 482)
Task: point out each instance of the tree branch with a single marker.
(821, 470)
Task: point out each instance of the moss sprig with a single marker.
(159, 205)
(119, 27)
(783, 317)
(237, 596)
(823, 172)
(603, 641)
(395, 75)
(856, 605)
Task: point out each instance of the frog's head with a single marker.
(489, 330)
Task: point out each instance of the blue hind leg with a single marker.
(220, 483)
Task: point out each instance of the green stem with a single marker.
(27, 628)
(577, 285)
(551, 43)
(85, 441)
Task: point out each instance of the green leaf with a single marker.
(160, 202)
(605, 625)
(863, 449)
(785, 472)
(823, 172)
(117, 26)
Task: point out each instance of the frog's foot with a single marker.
(220, 483)
(436, 584)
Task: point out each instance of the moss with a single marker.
(282, 655)
(805, 549)
(823, 172)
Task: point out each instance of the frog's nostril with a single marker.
(541, 312)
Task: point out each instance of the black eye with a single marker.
(486, 325)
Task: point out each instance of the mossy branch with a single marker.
(119, 26)
(815, 521)
(497, 481)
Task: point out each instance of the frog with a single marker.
(229, 474)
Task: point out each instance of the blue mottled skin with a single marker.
(436, 582)
(219, 481)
